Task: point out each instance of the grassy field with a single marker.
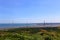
(42, 33)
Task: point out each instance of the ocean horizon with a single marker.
(18, 25)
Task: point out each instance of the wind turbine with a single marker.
(44, 23)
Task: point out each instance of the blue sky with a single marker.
(29, 11)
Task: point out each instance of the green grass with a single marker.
(42, 33)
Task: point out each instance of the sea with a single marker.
(22, 25)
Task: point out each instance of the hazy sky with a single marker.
(29, 11)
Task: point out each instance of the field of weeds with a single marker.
(42, 33)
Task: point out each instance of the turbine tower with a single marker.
(44, 23)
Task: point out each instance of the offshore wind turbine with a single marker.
(44, 23)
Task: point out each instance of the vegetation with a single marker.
(42, 33)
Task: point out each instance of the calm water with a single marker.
(31, 24)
